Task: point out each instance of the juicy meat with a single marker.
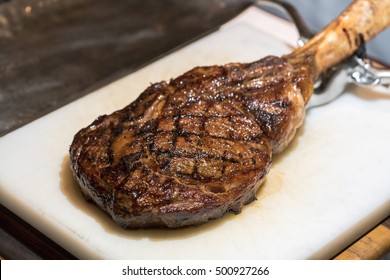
(192, 149)
(199, 146)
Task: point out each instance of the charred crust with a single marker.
(198, 155)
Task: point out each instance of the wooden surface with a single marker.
(22, 241)
(372, 246)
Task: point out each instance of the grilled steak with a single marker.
(192, 149)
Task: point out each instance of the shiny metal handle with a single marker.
(366, 74)
(290, 11)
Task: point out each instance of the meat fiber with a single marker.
(199, 146)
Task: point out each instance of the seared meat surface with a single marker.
(192, 149)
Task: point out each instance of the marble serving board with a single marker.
(326, 189)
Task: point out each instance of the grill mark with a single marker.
(231, 132)
(165, 163)
(224, 159)
(200, 156)
(228, 93)
(253, 139)
(172, 146)
(150, 128)
(109, 150)
(200, 141)
(239, 114)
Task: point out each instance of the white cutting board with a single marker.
(330, 186)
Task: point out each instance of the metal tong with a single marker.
(358, 69)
